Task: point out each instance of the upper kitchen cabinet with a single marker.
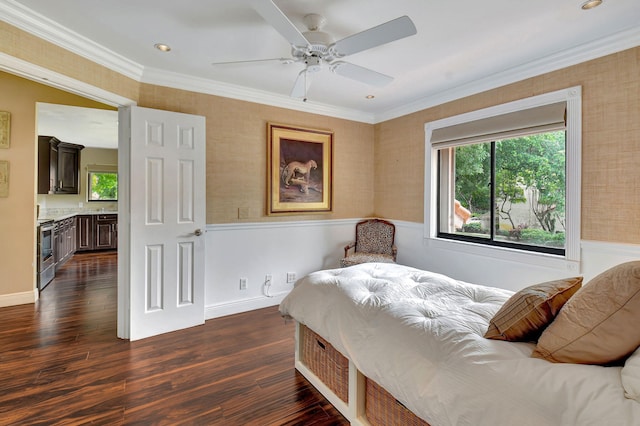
(58, 166)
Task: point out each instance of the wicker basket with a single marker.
(382, 409)
(325, 362)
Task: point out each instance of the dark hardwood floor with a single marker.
(61, 363)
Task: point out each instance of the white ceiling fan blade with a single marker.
(362, 74)
(384, 33)
(301, 85)
(248, 61)
(278, 20)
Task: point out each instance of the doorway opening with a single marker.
(79, 219)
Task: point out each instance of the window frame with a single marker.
(573, 98)
(444, 220)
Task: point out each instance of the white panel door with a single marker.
(167, 220)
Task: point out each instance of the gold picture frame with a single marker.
(300, 170)
(5, 129)
(4, 179)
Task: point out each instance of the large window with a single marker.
(508, 192)
(508, 176)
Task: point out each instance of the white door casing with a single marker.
(162, 246)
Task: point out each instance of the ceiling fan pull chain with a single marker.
(306, 85)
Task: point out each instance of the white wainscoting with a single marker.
(598, 256)
(496, 267)
(253, 250)
(514, 272)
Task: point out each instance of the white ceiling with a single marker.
(461, 47)
(95, 128)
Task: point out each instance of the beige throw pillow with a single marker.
(526, 314)
(600, 324)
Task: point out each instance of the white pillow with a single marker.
(631, 376)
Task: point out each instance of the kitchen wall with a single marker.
(52, 205)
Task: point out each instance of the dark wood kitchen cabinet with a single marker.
(85, 233)
(64, 240)
(97, 232)
(106, 231)
(58, 166)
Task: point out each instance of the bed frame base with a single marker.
(354, 410)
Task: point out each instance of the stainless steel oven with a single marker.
(46, 256)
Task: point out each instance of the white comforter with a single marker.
(419, 335)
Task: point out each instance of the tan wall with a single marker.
(88, 156)
(237, 154)
(610, 145)
(18, 212)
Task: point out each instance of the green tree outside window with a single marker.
(529, 171)
(103, 186)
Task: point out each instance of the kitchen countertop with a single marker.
(78, 213)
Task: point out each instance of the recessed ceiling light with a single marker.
(590, 4)
(369, 96)
(162, 47)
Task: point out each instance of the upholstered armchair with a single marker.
(374, 243)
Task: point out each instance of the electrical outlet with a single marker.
(243, 283)
(291, 277)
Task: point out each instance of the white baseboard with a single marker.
(239, 306)
(21, 298)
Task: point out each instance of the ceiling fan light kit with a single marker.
(313, 64)
(314, 47)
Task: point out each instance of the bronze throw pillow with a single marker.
(526, 314)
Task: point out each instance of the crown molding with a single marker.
(618, 42)
(212, 87)
(27, 20)
(42, 75)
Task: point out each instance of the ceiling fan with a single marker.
(316, 48)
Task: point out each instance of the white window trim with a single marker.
(573, 158)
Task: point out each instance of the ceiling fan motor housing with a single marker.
(319, 42)
(313, 47)
(319, 45)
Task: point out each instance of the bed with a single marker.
(419, 336)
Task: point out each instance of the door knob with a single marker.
(198, 232)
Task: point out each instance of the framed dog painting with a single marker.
(300, 170)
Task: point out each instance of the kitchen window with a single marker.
(102, 185)
(507, 178)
